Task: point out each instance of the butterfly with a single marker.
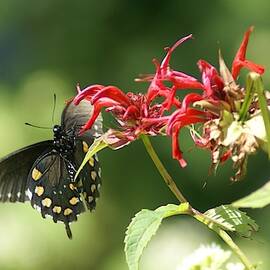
(44, 173)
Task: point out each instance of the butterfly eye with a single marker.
(57, 129)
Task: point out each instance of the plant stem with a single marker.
(225, 237)
(250, 90)
(195, 213)
(162, 170)
(228, 240)
(259, 87)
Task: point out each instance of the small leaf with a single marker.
(231, 219)
(257, 199)
(143, 226)
(97, 146)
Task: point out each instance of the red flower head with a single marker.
(134, 113)
(138, 114)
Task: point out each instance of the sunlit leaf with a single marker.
(231, 219)
(257, 199)
(143, 226)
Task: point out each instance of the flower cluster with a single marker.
(208, 257)
(215, 104)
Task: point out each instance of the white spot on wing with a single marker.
(99, 172)
(37, 208)
(93, 188)
(28, 193)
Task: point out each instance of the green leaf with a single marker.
(143, 226)
(231, 219)
(97, 146)
(257, 199)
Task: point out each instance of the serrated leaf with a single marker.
(257, 199)
(231, 219)
(97, 145)
(143, 226)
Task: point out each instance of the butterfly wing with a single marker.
(74, 118)
(52, 188)
(89, 181)
(14, 169)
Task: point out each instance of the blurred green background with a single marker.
(48, 47)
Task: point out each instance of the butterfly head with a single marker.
(57, 131)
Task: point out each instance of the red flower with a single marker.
(134, 113)
(138, 114)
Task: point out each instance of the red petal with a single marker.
(89, 91)
(184, 83)
(185, 113)
(210, 77)
(240, 58)
(254, 67)
(188, 99)
(226, 155)
(166, 60)
(112, 93)
(97, 109)
(176, 152)
(131, 112)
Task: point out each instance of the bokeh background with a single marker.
(48, 47)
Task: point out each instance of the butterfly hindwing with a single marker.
(89, 181)
(14, 169)
(52, 188)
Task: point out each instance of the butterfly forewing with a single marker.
(14, 170)
(75, 117)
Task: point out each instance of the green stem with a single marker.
(162, 170)
(225, 237)
(259, 87)
(228, 240)
(193, 212)
(250, 90)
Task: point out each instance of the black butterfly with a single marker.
(44, 173)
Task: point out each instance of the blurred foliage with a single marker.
(48, 47)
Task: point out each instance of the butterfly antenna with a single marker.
(54, 105)
(31, 125)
